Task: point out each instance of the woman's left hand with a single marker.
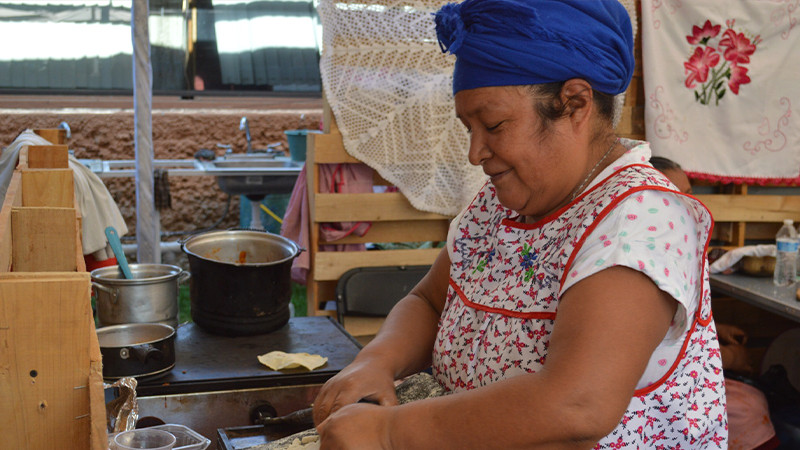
(357, 426)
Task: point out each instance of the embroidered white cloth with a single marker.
(721, 86)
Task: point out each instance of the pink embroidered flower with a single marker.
(738, 76)
(698, 65)
(702, 35)
(739, 47)
(704, 68)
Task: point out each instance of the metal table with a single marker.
(760, 292)
(208, 362)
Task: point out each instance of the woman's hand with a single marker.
(363, 379)
(736, 358)
(731, 334)
(358, 426)
(403, 346)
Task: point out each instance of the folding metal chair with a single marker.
(373, 291)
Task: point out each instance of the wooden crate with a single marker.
(391, 214)
(51, 381)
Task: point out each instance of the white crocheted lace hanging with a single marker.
(390, 89)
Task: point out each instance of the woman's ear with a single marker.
(577, 98)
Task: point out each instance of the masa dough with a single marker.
(306, 443)
(278, 360)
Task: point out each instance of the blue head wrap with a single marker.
(520, 42)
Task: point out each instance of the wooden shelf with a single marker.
(52, 382)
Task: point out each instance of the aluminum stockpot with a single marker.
(150, 296)
(241, 280)
(136, 349)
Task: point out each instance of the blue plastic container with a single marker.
(297, 143)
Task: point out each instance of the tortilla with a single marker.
(278, 360)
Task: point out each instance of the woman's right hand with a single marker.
(364, 379)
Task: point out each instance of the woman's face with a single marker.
(534, 172)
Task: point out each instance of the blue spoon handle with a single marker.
(116, 247)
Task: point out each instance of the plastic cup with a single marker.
(145, 438)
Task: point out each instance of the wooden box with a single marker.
(51, 381)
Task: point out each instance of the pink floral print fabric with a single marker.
(506, 281)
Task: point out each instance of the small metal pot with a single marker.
(150, 296)
(136, 349)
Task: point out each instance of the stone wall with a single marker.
(108, 133)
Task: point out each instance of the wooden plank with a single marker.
(44, 365)
(400, 231)
(12, 199)
(331, 265)
(80, 261)
(97, 401)
(48, 187)
(57, 136)
(368, 207)
(22, 162)
(631, 124)
(752, 208)
(44, 239)
(312, 180)
(329, 149)
(48, 157)
(326, 291)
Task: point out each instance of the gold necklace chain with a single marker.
(577, 191)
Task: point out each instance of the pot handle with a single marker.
(114, 293)
(185, 275)
(146, 351)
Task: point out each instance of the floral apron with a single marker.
(503, 298)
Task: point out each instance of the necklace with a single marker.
(577, 191)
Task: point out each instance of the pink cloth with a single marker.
(344, 178)
(749, 425)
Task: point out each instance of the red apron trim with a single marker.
(681, 354)
(505, 312)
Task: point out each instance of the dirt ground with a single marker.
(103, 128)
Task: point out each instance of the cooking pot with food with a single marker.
(241, 280)
(150, 296)
(136, 349)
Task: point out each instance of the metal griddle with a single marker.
(217, 382)
(208, 362)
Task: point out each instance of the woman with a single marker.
(570, 308)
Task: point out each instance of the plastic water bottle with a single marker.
(787, 245)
